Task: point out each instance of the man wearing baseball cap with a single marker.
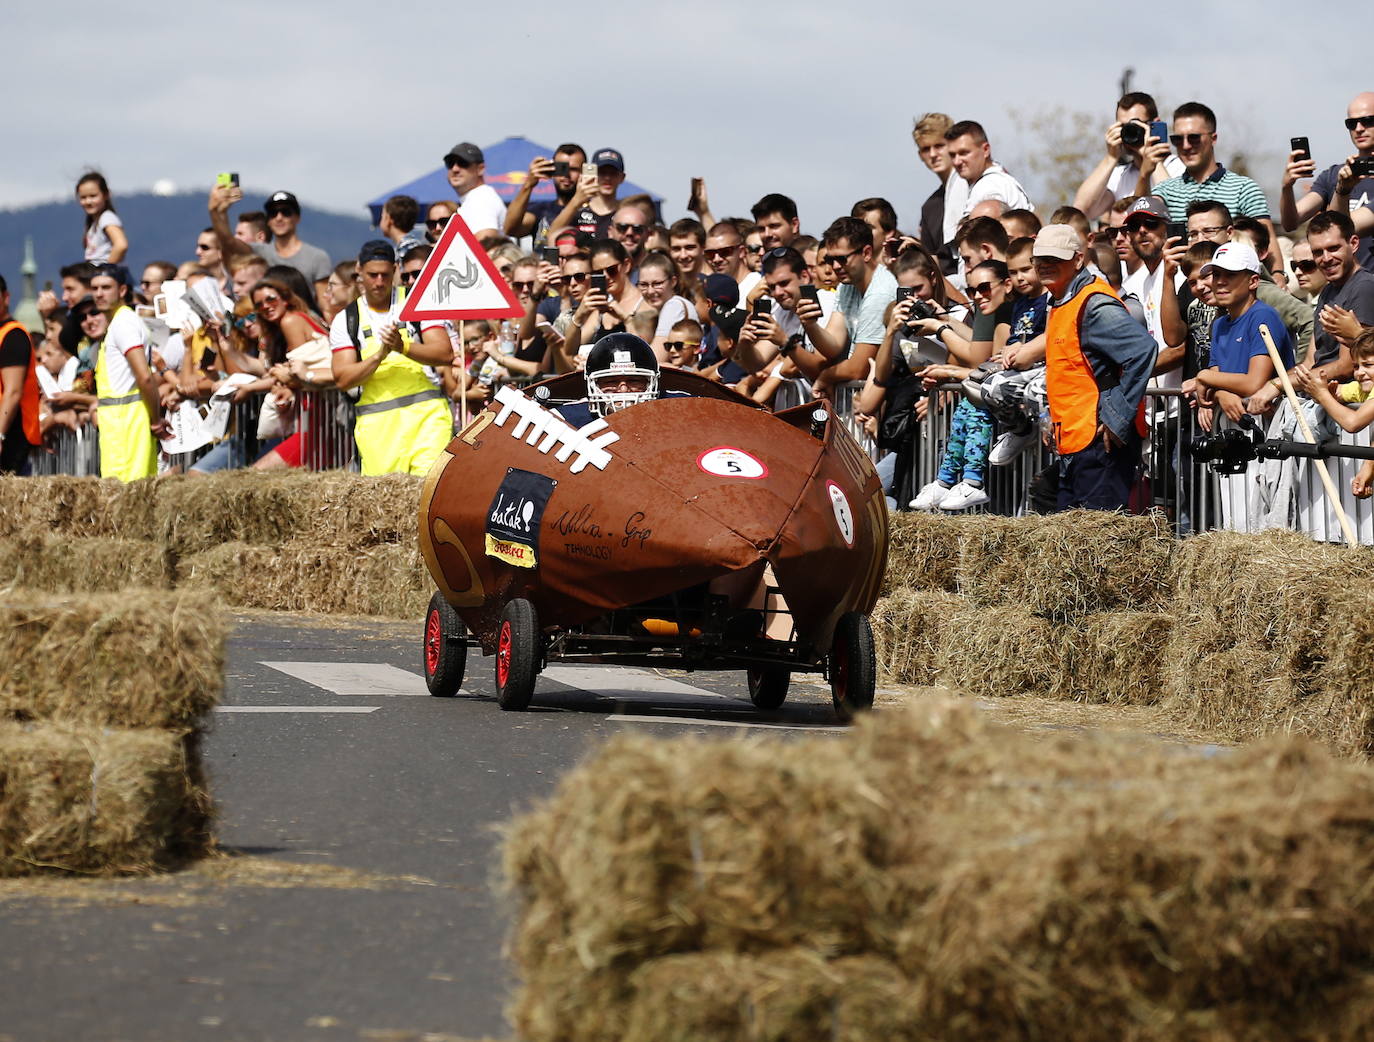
(286, 247)
(1155, 284)
(1240, 359)
(593, 203)
(478, 204)
(1098, 361)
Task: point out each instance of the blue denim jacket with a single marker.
(1114, 342)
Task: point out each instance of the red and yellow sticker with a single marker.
(518, 554)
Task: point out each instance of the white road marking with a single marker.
(296, 709)
(605, 680)
(365, 679)
(693, 721)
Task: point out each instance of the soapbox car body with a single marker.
(694, 531)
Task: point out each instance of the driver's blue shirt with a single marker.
(579, 413)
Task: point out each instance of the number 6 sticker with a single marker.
(727, 462)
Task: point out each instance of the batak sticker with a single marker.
(727, 462)
(514, 516)
(844, 516)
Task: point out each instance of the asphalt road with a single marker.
(359, 900)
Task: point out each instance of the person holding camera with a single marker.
(1118, 172)
(526, 217)
(1346, 187)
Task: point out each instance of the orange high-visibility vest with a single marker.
(28, 399)
(1069, 379)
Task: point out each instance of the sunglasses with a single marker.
(578, 276)
(836, 259)
(435, 225)
(267, 300)
(280, 213)
(983, 289)
(452, 161)
(625, 229)
(780, 251)
(606, 271)
(202, 246)
(1197, 233)
(680, 345)
(243, 321)
(1359, 121)
(145, 283)
(754, 249)
(1307, 267)
(1151, 223)
(410, 276)
(1191, 140)
(528, 287)
(721, 252)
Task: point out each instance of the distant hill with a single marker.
(159, 228)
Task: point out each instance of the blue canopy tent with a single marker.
(508, 165)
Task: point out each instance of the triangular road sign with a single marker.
(459, 281)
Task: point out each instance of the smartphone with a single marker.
(550, 254)
(560, 168)
(227, 180)
(905, 293)
(1363, 166)
(696, 194)
(1177, 230)
(1159, 130)
(763, 306)
(598, 282)
(1299, 144)
(811, 293)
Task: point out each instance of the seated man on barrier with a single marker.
(1098, 362)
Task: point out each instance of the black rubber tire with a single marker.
(519, 647)
(768, 687)
(445, 648)
(853, 666)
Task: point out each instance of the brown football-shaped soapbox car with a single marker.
(693, 531)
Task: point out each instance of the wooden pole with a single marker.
(1322, 472)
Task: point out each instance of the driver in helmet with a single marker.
(621, 371)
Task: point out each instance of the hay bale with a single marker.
(999, 651)
(1342, 713)
(1115, 657)
(72, 564)
(1065, 565)
(366, 511)
(1051, 886)
(908, 629)
(134, 659)
(76, 506)
(923, 551)
(387, 580)
(98, 801)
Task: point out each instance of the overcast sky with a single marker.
(342, 101)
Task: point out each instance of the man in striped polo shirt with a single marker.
(1195, 139)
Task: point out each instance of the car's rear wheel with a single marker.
(853, 666)
(445, 648)
(768, 687)
(519, 646)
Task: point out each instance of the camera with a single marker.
(1132, 134)
(1229, 451)
(1363, 166)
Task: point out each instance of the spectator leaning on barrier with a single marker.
(1098, 362)
(1117, 175)
(976, 178)
(1156, 284)
(1325, 192)
(403, 421)
(865, 291)
(130, 413)
(1239, 358)
(19, 400)
(286, 247)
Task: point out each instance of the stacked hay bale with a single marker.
(1269, 638)
(102, 703)
(1068, 606)
(935, 876)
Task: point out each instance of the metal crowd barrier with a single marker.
(67, 451)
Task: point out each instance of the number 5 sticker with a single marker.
(844, 516)
(728, 462)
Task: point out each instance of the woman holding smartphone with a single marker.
(610, 303)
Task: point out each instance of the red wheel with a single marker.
(519, 648)
(853, 666)
(446, 648)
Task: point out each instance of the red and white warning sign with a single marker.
(459, 281)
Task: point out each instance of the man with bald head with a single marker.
(1098, 361)
(1330, 190)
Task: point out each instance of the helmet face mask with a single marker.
(616, 358)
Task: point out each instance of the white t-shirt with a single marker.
(746, 284)
(996, 183)
(338, 329)
(1148, 288)
(98, 244)
(674, 310)
(482, 208)
(1123, 179)
(126, 332)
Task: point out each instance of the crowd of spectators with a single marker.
(854, 307)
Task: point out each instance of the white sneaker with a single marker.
(930, 496)
(1008, 446)
(962, 496)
